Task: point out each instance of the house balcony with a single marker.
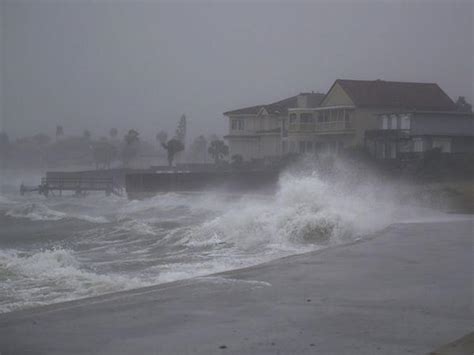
(387, 134)
(331, 127)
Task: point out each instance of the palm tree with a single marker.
(130, 150)
(462, 105)
(173, 147)
(181, 129)
(218, 149)
(59, 131)
(86, 135)
(131, 137)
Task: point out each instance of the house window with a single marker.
(306, 118)
(418, 145)
(326, 116)
(293, 118)
(405, 122)
(320, 117)
(384, 122)
(238, 125)
(393, 122)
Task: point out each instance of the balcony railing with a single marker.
(387, 133)
(334, 126)
(322, 127)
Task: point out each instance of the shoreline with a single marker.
(63, 305)
(174, 284)
(335, 280)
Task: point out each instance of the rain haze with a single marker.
(141, 64)
(240, 177)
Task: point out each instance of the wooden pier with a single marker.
(58, 182)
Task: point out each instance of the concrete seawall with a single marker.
(140, 185)
(406, 290)
(118, 175)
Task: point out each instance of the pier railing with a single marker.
(77, 184)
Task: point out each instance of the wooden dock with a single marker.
(56, 183)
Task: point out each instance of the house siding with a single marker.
(247, 147)
(463, 145)
(430, 124)
(251, 144)
(365, 119)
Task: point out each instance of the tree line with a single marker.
(41, 150)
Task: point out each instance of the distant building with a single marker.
(350, 114)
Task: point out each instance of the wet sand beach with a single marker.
(407, 289)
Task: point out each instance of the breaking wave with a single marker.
(41, 212)
(52, 276)
(176, 236)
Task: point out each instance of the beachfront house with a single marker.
(256, 132)
(352, 107)
(352, 113)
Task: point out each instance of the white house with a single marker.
(256, 132)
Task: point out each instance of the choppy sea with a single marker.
(64, 248)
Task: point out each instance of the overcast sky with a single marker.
(136, 64)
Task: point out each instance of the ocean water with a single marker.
(64, 248)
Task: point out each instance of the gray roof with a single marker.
(397, 95)
(279, 107)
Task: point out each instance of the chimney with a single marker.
(302, 101)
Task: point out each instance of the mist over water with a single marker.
(65, 248)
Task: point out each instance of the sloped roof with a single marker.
(251, 110)
(279, 107)
(399, 95)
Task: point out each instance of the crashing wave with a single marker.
(176, 236)
(41, 212)
(54, 275)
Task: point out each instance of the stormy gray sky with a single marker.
(137, 64)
